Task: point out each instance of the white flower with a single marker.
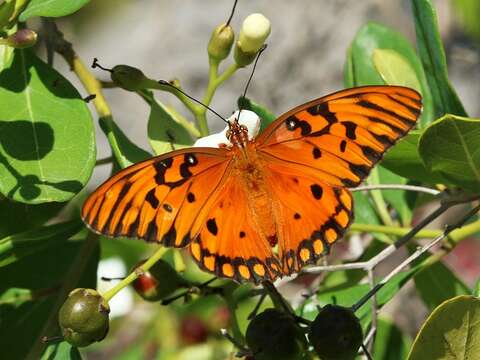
(255, 30)
(247, 118)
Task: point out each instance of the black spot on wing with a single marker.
(323, 110)
(190, 197)
(160, 168)
(242, 234)
(152, 199)
(296, 216)
(316, 153)
(317, 191)
(292, 123)
(212, 226)
(343, 145)
(350, 129)
(168, 207)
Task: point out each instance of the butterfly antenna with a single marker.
(166, 83)
(262, 49)
(231, 14)
(95, 64)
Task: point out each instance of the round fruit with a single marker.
(273, 335)
(336, 333)
(193, 330)
(83, 317)
(158, 282)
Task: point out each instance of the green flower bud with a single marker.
(22, 39)
(255, 30)
(336, 333)
(273, 335)
(83, 317)
(158, 282)
(221, 42)
(130, 78)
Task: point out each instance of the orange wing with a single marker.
(229, 243)
(343, 135)
(316, 150)
(310, 214)
(158, 199)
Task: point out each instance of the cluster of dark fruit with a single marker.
(334, 334)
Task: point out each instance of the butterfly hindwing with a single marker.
(345, 134)
(158, 199)
(310, 215)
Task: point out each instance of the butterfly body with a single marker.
(258, 208)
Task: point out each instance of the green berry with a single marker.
(83, 317)
(336, 333)
(221, 42)
(273, 335)
(160, 281)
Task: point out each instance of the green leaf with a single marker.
(395, 69)
(61, 351)
(390, 342)
(164, 133)
(437, 283)
(17, 216)
(51, 8)
(468, 11)
(476, 289)
(41, 275)
(360, 68)
(125, 151)
(265, 115)
(449, 147)
(451, 332)
(364, 211)
(16, 247)
(432, 55)
(47, 138)
(403, 159)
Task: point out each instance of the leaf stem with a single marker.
(135, 274)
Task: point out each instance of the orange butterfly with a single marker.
(261, 208)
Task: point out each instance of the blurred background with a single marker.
(305, 57)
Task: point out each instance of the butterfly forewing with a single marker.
(345, 134)
(158, 199)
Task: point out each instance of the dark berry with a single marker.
(273, 335)
(336, 333)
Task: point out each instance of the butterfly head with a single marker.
(242, 126)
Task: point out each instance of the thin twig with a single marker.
(257, 306)
(397, 187)
(373, 328)
(414, 256)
